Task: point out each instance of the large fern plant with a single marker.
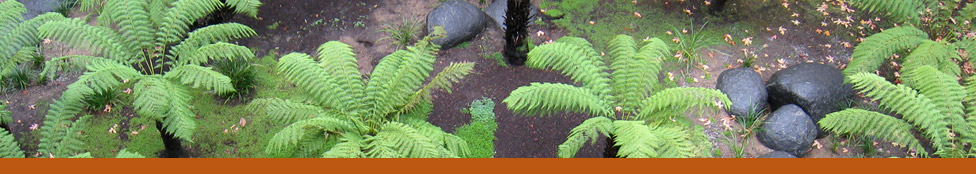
(153, 53)
(930, 102)
(18, 37)
(346, 115)
(622, 94)
(943, 19)
(875, 50)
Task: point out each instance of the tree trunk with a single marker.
(174, 148)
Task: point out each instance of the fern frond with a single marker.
(176, 21)
(875, 49)
(61, 136)
(901, 10)
(573, 61)
(59, 64)
(225, 32)
(8, 146)
(916, 108)
(634, 74)
(132, 20)
(943, 89)
(160, 99)
(200, 76)
(936, 54)
(106, 75)
(286, 140)
(442, 81)
(397, 77)
(126, 154)
(99, 40)
(637, 140)
(340, 62)
(407, 142)
(90, 5)
(284, 111)
(217, 51)
(247, 7)
(590, 129)
(11, 13)
(451, 142)
(350, 147)
(871, 124)
(320, 84)
(971, 96)
(24, 35)
(5, 116)
(547, 98)
(680, 100)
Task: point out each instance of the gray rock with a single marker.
(461, 20)
(817, 88)
(38, 7)
(777, 154)
(497, 12)
(746, 90)
(788, 129)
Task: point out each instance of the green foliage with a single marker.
(939, 18)
(876, 49)
(5, 116)
(150, 35)
(242, 76)
(901, 10)
(61, 137)
(628, 107)
(402, 34)
(18, 42)
(931, 102)
(480, 133)
(348, 116)
(8, 146)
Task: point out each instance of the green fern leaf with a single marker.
(637, 140)
(126, 154)
(871, 124)
(105, 75)
(573, 61)
(247, 7)
(680, 100)
(405, 140)
(340, 62)
(546, 98)
(936, 54)
(200, 76)
(176, 21)
(59, 64)
(99, 40)
(24, 35)
(286, 140)
(349, 148)
(5, 116)
(634, 74)
(320, 84)
(12, 13)
(160, 99)
(397, 77)
(132, 20)
(943, 89)
(8, 146)
(442, 81)
(916, 108)
(285, 111)
(900, 10)
(217, 51)
(590, 129)
(225, 32)
(875, 49)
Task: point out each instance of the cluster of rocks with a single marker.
(799, 96)
(463, 21)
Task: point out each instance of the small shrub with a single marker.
(241, 76)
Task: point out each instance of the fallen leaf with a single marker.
(243, 122)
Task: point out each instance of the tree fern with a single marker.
(624, 94)
(875, 49)
(248, 7)
(61, 137)
(936, 54)
(151, 34)
(19, 37)
(363, 118)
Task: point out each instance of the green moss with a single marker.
(148, 141)
(480, 133)
(99, 141)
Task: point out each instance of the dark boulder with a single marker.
(497, 12)
(788, 129)
(461, 20)
(777, 154)
(746, 90)
(817, 88)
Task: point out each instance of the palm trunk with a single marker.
(516, 31)
(611, 150)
